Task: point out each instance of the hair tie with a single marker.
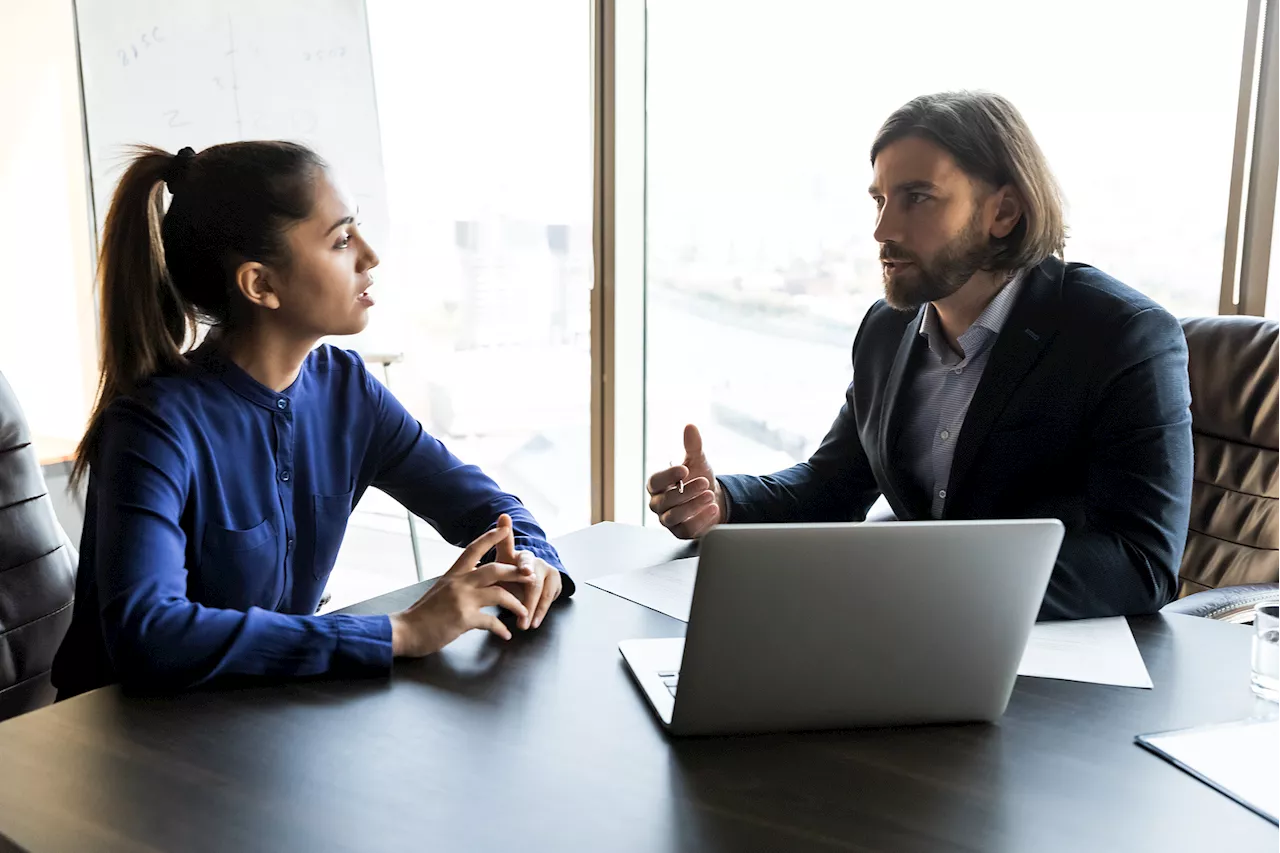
(177, 170)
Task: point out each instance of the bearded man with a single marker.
(994, 380)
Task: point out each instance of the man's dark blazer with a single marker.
(1082, 414)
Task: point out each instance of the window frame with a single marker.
(1252, 199)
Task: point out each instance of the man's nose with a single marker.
(888, 227)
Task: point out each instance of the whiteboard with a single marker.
(201, 72)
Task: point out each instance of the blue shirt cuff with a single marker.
(364, 643)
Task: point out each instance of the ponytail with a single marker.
(145, 322)
(160, 272)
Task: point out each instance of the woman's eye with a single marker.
(343, 242)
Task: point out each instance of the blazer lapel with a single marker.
(890, 420)
(1027, 331)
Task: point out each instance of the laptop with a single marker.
(827, 626)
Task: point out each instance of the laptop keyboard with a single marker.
(670, 680)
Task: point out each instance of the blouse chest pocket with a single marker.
(330, 525)
(239, 569)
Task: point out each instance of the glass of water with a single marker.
(1266, 651)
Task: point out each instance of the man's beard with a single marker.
(950, 268)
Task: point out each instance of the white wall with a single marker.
(47, 340)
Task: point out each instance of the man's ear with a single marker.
(254, 281)
(1009, 209)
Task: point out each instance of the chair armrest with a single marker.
(1227, 604)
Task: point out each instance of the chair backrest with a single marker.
(37, 569)
(1235, 514)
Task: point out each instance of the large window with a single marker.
(485, 281)
(760, 257)
(747, 152)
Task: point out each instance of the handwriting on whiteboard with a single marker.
(324, 55)
(134, 51)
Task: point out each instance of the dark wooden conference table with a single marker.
(545, 744)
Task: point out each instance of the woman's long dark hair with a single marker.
(160, 272)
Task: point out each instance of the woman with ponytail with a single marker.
(221, 477)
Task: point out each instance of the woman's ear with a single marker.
(254, 281)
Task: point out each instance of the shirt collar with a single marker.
(986, 327)
(210, 357)
(997, 311)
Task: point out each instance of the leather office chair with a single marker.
(1231, 562)
(37, 569)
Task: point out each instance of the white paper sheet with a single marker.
(1236, 758)
(666, 587)
(1099, 651)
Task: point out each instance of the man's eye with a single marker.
(917, 198)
